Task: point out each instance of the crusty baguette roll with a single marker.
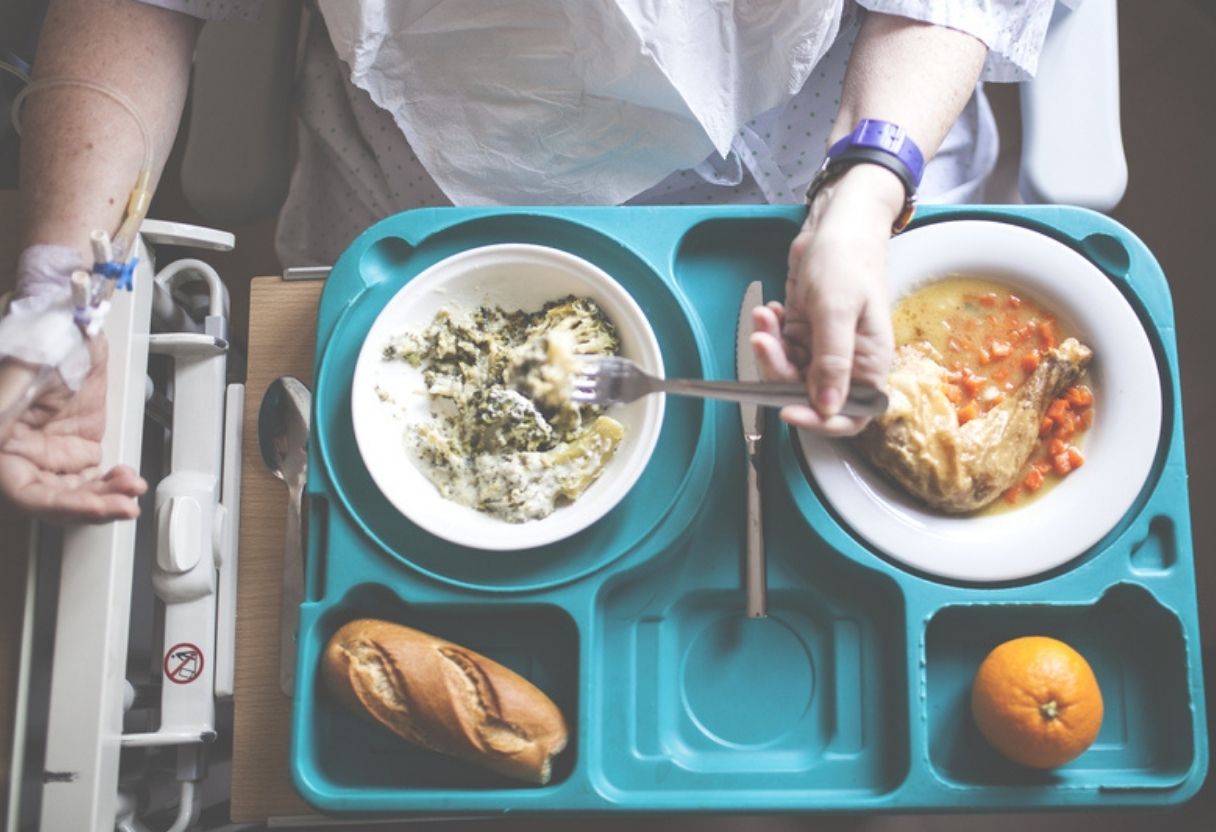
(445, 697)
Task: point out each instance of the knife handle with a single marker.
(755, 578)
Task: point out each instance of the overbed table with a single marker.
(282, 319)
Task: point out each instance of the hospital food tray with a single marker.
(852, 695)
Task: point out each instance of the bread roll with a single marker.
(445, 697)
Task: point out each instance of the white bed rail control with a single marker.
(91, 776)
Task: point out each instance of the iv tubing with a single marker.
(22, 384)
(141, 194)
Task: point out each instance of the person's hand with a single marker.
(835, 324)
(49, 466)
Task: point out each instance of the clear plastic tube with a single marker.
(22, 384)
(113, 94)
(141, 193)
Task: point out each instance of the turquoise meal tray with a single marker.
(851, 695)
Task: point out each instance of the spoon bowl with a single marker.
(283, 422)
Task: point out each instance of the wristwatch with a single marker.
(878, 143)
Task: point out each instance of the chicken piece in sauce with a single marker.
(955, 468)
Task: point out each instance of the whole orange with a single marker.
(1037, 701)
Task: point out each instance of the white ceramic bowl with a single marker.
(513, 276)
(1119, 449)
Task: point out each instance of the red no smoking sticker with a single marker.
(183, 663)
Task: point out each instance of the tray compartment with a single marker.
(345, 753)
(715, 261)
(1138, 652)
(389, 263)
(813, 698)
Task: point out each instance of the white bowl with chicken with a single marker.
(460, 397)
(946, 492)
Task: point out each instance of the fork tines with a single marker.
(594, 371)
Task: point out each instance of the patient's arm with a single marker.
(80, 153)
(836, 314)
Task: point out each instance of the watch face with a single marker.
(905, 217)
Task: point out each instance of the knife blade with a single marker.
(746, 369)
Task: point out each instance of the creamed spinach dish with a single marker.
(506, 438)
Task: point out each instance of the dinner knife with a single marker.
(752, 417)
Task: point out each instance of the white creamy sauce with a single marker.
(503, 435)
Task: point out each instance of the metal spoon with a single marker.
(283, 421)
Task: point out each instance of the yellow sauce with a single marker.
(992, 339)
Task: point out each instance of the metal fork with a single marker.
(613, 380)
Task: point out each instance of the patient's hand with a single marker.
(49, 466)
(835, 324)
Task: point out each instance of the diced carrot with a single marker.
(1046, 427)
(1061, 464)
(1043, 466)
(991, 320)
(1012, 494)
(1079, 396)
(1057, 409)
(1031, 360)
(1087, 418)
(1056, 446)
(1075, 458)
(985, 356)
(999, 349)
(988, 300)
(973, 384)
(1034, 480)
(1047, 332)
(968, 412)
(1066, 426)
(1013, 302)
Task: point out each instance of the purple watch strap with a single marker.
(886, 137)
(880, 143)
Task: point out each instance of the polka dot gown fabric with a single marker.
(355, 166)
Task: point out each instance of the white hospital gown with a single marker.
(355, 165)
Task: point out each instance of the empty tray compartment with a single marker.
(700, 699)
